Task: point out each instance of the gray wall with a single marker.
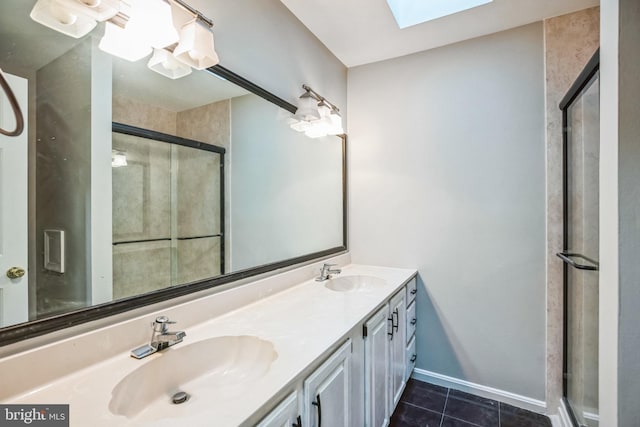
(447, 175)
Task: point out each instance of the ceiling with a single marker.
(359, 32)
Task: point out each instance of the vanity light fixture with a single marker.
(134, 28)
(316, 116)
(118, 42)
(196, 47)
(98, 10)
(162, 61)
(139, 27)
(53, 14)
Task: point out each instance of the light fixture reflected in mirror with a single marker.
(118, 159)
(134, 27)
(117, 42)
(98, 10)
(150, 22)
(53, 14)
(316, 116)
(162, 61)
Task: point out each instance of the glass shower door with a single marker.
(582, 146)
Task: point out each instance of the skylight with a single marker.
(412, 12)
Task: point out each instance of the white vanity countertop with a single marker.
(302, 322)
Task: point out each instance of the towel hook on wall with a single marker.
(14, 105)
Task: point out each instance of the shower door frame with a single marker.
(185, 142)
(584, 79)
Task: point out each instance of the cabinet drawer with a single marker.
(411, 320)
(411, 357)
(412, 290)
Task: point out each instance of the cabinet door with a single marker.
(284, 415)
(398, 364)
(326, 391)
(376, 365)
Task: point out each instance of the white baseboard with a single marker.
(555, 421)
(481, 390)
(565, 420)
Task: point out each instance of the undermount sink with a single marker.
(353, 283)
(193, 368)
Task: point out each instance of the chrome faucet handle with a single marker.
(161, 322)
(326, 272)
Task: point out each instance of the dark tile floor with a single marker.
(427, 405)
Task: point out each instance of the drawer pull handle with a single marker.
(414, 357)
(319, 406)
(414, 291)
(299, 423)
(390, 333)
(414, 321)
(397, 321)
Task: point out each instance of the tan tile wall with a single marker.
(570, 41)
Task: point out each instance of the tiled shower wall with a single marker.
(570, 41)
(145, 266)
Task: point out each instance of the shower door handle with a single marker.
(567, 258)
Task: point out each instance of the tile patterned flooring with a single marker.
(427, 405)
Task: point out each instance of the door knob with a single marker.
(15, 272)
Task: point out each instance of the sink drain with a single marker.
(180, 397)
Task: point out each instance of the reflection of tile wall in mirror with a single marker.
(134, 113)
(198, 259)
(209, 123)
(198, 192)
(128, 200)
(149, 216)
(141, 267)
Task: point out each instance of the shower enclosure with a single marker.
(581, 148)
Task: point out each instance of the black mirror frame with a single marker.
(32, 329)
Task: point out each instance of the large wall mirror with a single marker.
(128, 188)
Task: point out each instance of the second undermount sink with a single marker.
(208, 364)
(353, 283)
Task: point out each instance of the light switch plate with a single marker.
(54, 250)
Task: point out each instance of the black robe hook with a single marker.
(14, 105)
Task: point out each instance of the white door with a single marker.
(14, 306)
(376, 362)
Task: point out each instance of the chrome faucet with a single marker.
(161, 338)
(326, 272)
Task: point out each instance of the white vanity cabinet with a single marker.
(376, 362)
(286, 414)
(398, 346)
(326, 391)
(385, 347)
